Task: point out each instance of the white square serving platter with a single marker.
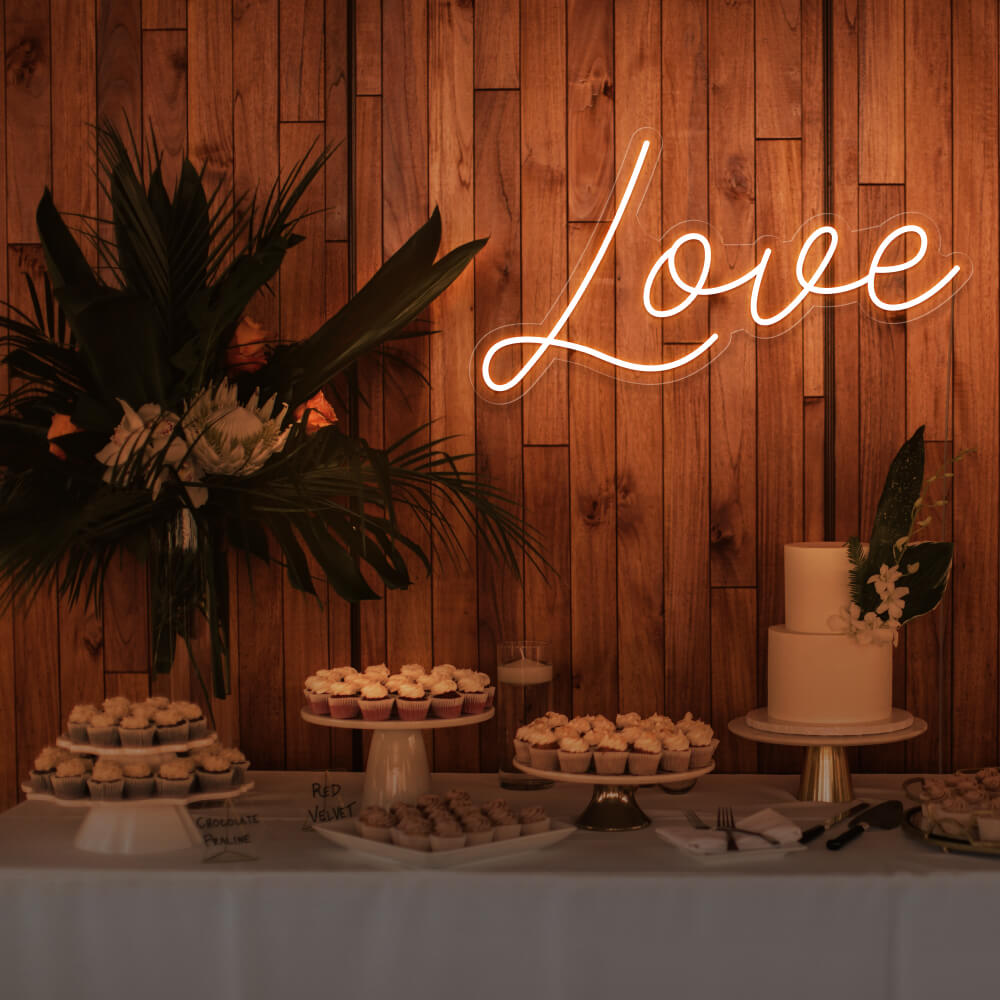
(344, 832)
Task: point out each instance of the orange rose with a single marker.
(321, 413)
(60, 426)
(249, 349)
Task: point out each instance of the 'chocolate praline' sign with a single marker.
(822, 243)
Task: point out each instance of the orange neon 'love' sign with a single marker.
(808, 284)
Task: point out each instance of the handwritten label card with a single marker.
(328, 803)
(228, 837)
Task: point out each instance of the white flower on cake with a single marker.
(233, 439)
(868, 629)
(885, 579)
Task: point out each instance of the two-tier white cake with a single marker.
(819, 680)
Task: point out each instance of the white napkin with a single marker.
(766, 821)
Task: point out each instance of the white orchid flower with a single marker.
(885, 580)
(893, 602)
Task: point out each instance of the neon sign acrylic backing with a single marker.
(899, 277)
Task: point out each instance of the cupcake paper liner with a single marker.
(450, 843)
(610, 761)
(539, 826)
(240, 769)
(446, 708)
(77, 732)
(214, 781)
(174, 788)
(41, 781)
(702, 756)
(343, 706)
(411, 709)
(197, 729)
(415, 841)
(643, 764)
(491, 693)
(137, 737)
(105, 791)
(139, 788)
(675, 760)
(478, 837)
(474, 702)
(545, 760)
(522, 751)
(376, 709)
(104, 736)
(383, 834)
(508, 832)
(73, 787)
(318, 704)
(574, 763)
(172, 734)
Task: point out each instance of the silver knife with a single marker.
(816, 831)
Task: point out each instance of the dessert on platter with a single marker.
(412, 694)
(963, 805)
(123, 725)
(631, 744)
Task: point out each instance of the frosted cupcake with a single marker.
(611, 754)
(478, 828)
(69, 781)
(394, 682)
(522, 744)
(106, 781)
(411, 670)
(102, 730)
(138, 776)
(412, 702)
(343, 700)
(601, 724)
(377, 671)
(174, 779)
(117, 707)
(155, 703)
(316, 692)
(627, 719)
(375, 823)
(197, 723)
(79, 719)
(543, 748)
(447, 835)
(444, 670)
(446, 699)
(239, 763)
(413, 832)
(553, 719)
(171, 726)
(703, 743)
(489, 687)
(574, 755)
(676, 754)
(506, 825)
(45, 768)
(375, 702)
(645, 756)
(136, 730)
(534, 820)
(214, 773)
(474, 691)
(341, 674)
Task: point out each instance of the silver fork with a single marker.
(725, 820)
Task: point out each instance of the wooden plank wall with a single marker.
(665, 507)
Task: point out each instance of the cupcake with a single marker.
(197, 723)
(478, 828)
(375, 823)
(69, 781)
(316, 692)
(627, 719)
(79, 719)
(489, 687)
(447, 835)
(155, 704)
(45, 766)
(534, 820)
(580, 724)
(394, 682)
(171, 726)
(446, 670)
(553, 719)
(574, 754)
(239, 763)
(475, 697)
(645, 756)
(611, 754)
(506, 826)
(522, 745)
(543, 748)
(413, 832)
(106, 781)
(138, 777)
(102, 730)
(375, 702)
(411, 671)
(174, 779)
(116, 707)
(446, 699)
(412, 702)
(377, 672)
(136, 730)
(601, 724)
(676, 754)
(343, 700)
(703, 743)
(215, 773)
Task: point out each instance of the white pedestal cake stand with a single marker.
(612, 806)
(137, 826)
(397, 762)
(826, 776)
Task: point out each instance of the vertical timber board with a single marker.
(164, 14)
(639, 408)
(134, 686)
(368, 47)
(590, 110)
(929, 192)
(337, 97)
(300, 60)
(684, 169)
(734, 616)
(814, 465)
(164, 98)
(451, 118)
(881, 92)
(731, 213)
(9, 778)
(779, 409)
(304, 622)
(543, 200)
(974, 579)
(499, 459)
(498, 57)
(813, 190)
(210, 91)
(593, 513)
(28, 123)
(778, 59)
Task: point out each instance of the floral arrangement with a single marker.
(149, 413)
(898, 576)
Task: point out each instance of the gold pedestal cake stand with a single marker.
(826, 776)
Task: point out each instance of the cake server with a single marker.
(884, 816)
(820, 828)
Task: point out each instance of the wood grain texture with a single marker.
(164, 13)
(337, 98)
(368, 47)
(210, 90)
(734, 693)
(881, 72)
(164, 99)
(497, 53)
(300, 60)
(119, 62)
(778, 78)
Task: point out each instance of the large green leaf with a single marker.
(66, 264)
(903, 484)
(929, 581)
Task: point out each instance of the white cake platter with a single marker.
(137, 826)
(760, 719)
(93, 750)
(612, 806)
(397, 767)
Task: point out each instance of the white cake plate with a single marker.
(760, 719)
(137, 826)
(397, 766)
(826, 776)
(612, 806)
(93, 750)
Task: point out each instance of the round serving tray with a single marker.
(760, 719)
(93, 750)
(396, 725)
(913, 824)
(147, 801)
(612, 806)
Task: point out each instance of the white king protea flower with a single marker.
(229, 438)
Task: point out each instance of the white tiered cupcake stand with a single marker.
(612, 806)
(397, 766)
(137, 826)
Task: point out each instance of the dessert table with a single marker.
(597, 915)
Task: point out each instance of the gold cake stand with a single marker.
(826, 776)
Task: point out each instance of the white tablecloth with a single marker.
(598, 915)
